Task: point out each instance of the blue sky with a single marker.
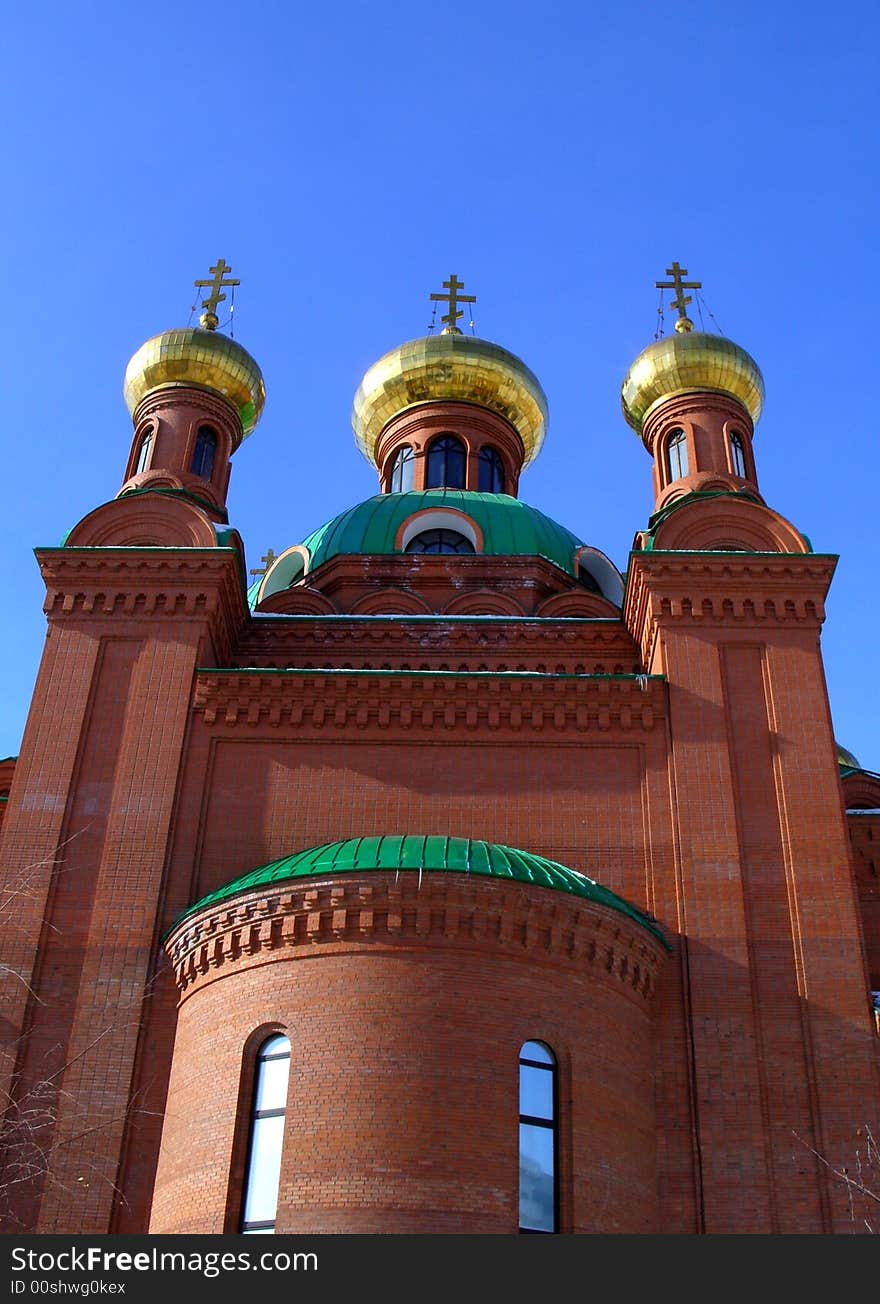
(345, 158)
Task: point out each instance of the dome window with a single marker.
(538, 1199)
(447, 461)
(266, 1137)
(677, 455)
(144, 452)
(205, 449)
(401, 479)
(737, 454)
(491, 471)
(448, 541)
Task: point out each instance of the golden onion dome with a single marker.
(450, 366)
(204, 359)
(688, 362)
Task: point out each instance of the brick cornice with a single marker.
(103, 583)
(723, 588)
(597, 646)
(407, 701)
(423, 911)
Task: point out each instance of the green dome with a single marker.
(845, 759)
(428, 855)
(509, 527)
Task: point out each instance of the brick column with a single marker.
(772, 934)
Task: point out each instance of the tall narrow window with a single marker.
(144, 452)
(402, 470)
(491, 478)
(266, 1137)
(203, 457)
(446, 463)
(737, 454)
(677, 455)
(538, 1210)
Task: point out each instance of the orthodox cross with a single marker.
(268, 559)
(209, 319)
(681, 300)
(453, 298)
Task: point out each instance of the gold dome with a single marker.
(450, 366)
(202, 358)
(687, 362)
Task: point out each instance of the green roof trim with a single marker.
(427, 854)
(509, 526)
(168, 492)
(695, 496)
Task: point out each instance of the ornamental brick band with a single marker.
(427, 911)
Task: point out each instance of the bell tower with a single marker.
(726, 599)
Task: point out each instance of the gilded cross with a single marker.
(268, 559)
(453, 298)
(208, 319)
(681, 300)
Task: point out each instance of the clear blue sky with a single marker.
(345, 158)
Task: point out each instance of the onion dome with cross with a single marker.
(200, 358)
(689, 361)
(450, 366)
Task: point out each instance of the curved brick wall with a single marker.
(406, 1005)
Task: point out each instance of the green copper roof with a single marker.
(509, 527)
(429, 855)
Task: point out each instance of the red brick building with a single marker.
(447, 879)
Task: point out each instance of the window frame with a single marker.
(737, 454)
(404, 457)
(535, 1121)
(262, 1226)
(489, 458)
(206, 438)
(443, 446)
(469, 551)
(677, 445)
(145, 450)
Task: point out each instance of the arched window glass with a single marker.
(439, 541)
(402, 470)
(491, 477)
(677, 455)
(144, 452)
(446, 463)
(737, 454)
(538, 1200)
(266, 1137)
(203, 457)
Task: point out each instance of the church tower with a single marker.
(726, 600)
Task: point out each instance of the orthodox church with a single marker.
(445, 879)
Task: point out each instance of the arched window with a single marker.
(538, 1200)
(266, 1137)
(203, 457)
(491, 477)
(439, 541)
(737, 454)
(446, 463)
(677, 455)
(144, 452)
(402, 470)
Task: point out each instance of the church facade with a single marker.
(446, 879)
